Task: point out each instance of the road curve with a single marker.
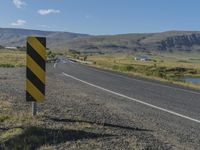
(170, 108)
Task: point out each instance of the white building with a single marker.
(10, 47)
(142, 58)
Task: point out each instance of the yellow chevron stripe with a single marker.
(37, 46)
(35, 93)
(35, 68)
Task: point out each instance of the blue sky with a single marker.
(101, 16)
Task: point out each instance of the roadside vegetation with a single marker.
(165, 66)
(73, 54)
(17, 58)
(19, 130)
(12, 58)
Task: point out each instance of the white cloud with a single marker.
(18, 3)
(48, 11)
(18, 22)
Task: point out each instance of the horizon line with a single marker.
(125, 33)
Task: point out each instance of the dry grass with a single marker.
(46, 147)
(4, 105)
(168, 60)
(12, 58)
(11, 133)
(161, 60)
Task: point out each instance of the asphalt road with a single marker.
(172, 110)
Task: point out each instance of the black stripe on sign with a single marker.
(42, 40)
(35, 80)
(35, 56)
(30, 98)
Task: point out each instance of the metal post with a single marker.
(34, 108)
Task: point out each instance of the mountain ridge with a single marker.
(162, 41)
(17, 37)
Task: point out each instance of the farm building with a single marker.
(142, 58)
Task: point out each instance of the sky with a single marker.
(99, 17)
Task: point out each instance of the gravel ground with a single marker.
(76, 117)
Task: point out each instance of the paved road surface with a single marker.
(172, 109)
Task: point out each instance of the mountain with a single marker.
(17, 37)
(164, 41)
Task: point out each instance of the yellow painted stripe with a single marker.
(37, 46)
(35, 68)
(35, 93)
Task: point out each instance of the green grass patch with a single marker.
(4, 117)
(162, 66)
(7, 65)
(161, 72)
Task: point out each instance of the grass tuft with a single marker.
(11, 133)
(4, 118)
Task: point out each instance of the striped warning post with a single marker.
(35, 69)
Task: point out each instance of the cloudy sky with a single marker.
(101, 16)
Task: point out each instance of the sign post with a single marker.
(34, 108)
(35, 71)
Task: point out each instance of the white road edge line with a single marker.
(55, 65)
(147, 82)
(71, 61)
(133, 99)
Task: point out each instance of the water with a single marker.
(192, 80)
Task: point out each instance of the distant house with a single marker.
(10, 47)
(142, 58)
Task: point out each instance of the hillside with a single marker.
(17, 37)
(171, 40)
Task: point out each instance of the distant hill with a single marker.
(17, 37)
(165, 41)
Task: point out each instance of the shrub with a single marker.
(7, 65)
(129, 68)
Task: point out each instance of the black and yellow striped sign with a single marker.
(35, 69)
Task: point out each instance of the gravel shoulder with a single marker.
(75, 116)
